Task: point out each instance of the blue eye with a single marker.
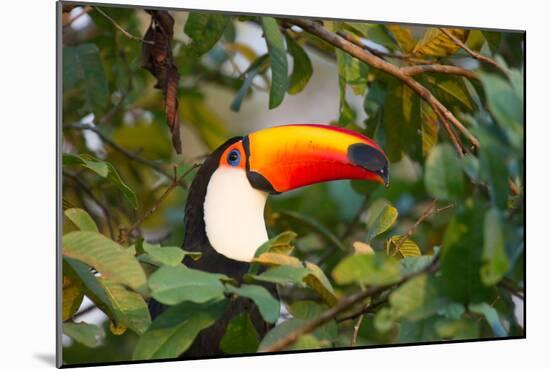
(234, 158)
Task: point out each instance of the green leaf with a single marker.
(81, 219)
(172, 285)
(258, 66)
(124, 308)
(279, 63)
(414, 300)
(103, 169)
(114, 177)
(83, 63)
(90, 335)
(307, 310)
(450, 90)
(493, 39)
(204, 29)
(430, 128)
(461, 256)
(128, 307)
(107, 257)
(280, 244)
(436, 43)
(167, 255)
(269, 307)
(91, 286)
(283, 274)
(379, 220)
(99, 167)
(240, 336)
(495, 261)
(506, 105)
(346, 113)
(492, 167)
(402, 123)
(280, 331)
(443, 176)
(353, 71)
(365, 269)
(173, 332)
(491, 315)
(302, 68)
(409, 297)
(318, 281)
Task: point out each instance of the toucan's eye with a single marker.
(234, 158)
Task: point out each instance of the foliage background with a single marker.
(474, 294)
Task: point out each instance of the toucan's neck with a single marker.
(234, 214)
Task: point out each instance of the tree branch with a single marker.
(358, 52)
(344, 305)
(431, 210)
(439, 68)
(175, 183)
(472, 53)
(119, 27)
(129, 154)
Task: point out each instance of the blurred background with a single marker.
(104, 86)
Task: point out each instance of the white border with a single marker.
(27, 324)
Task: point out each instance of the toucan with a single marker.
(224, 213)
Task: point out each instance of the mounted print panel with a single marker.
(248, 184)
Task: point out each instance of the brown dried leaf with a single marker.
(157, 58)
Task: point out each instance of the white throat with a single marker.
(234, 214)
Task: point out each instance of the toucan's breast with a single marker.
(234, 214)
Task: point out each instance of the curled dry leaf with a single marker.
(157, 58)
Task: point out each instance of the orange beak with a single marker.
(283, 158)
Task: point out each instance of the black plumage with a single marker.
(195, 239)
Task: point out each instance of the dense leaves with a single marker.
(437, 275)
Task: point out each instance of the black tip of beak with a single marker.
(370, 158)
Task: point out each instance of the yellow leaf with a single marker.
(318, 281)
(404, 37)
(406, 249)
(436, 43)
(362, 248)
(243, 49)
(72, 297)
(116, 328)
(275, 259)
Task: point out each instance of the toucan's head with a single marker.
(242, 172)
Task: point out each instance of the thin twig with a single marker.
(472, 53)
(169, 189)
(431, 210)
(439, 68)
(344, 305)
(366, 309)
(84, 311)
(131, 155)
(511, 287)
(356, 329)
(358, 52)
(88, 191)
(119, 27)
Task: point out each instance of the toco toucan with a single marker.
(224, 214)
